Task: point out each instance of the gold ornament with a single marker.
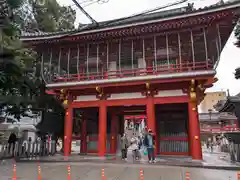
(98, 89)
(192, 82)
(100, 92)
(193, 94)
(147, 86)
(65, 102)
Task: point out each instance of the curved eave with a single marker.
(158, 20)
(228, 107)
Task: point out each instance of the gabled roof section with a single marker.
(227, 105)
(173, 14)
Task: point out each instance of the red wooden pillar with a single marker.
(102, 129)
(84, 135)
(151, 120)
(68, 125)
(113, 134)
(194, 132)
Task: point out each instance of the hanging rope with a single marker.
(84, 12)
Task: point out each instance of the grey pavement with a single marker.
(89, 168)
(92, 171)
(210, 160)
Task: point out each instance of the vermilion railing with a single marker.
(156, 70)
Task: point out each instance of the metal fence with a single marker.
(27, 149)
(233, 150)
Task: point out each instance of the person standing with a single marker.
(149, 141)
(11, 143)
(124, 146)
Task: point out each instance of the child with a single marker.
(134, 147)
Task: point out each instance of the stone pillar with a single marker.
(102, 132)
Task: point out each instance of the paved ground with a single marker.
(91, 171)
(89, 168)
(210, 160)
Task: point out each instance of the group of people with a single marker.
(137, 143)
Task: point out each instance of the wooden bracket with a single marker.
(193, 94)
(100, 93)
(150, 92)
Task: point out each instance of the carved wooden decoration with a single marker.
(193, 94)
(150, 92)
(65, 97)
(100, 93)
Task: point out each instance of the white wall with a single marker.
(167, 93)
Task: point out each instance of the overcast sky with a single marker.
(230, 56)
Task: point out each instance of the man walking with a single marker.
(124, 146)
(149, 141)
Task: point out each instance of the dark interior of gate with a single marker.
(86, 128)
(171, 127)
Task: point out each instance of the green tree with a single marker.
(16, 61)
(51, 17)
(237, 35)
(67, 18)
(21, 85)
(20, 79)
(43, 15)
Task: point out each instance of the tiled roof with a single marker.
(137, 19)
(58, 33)
(227, 105)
